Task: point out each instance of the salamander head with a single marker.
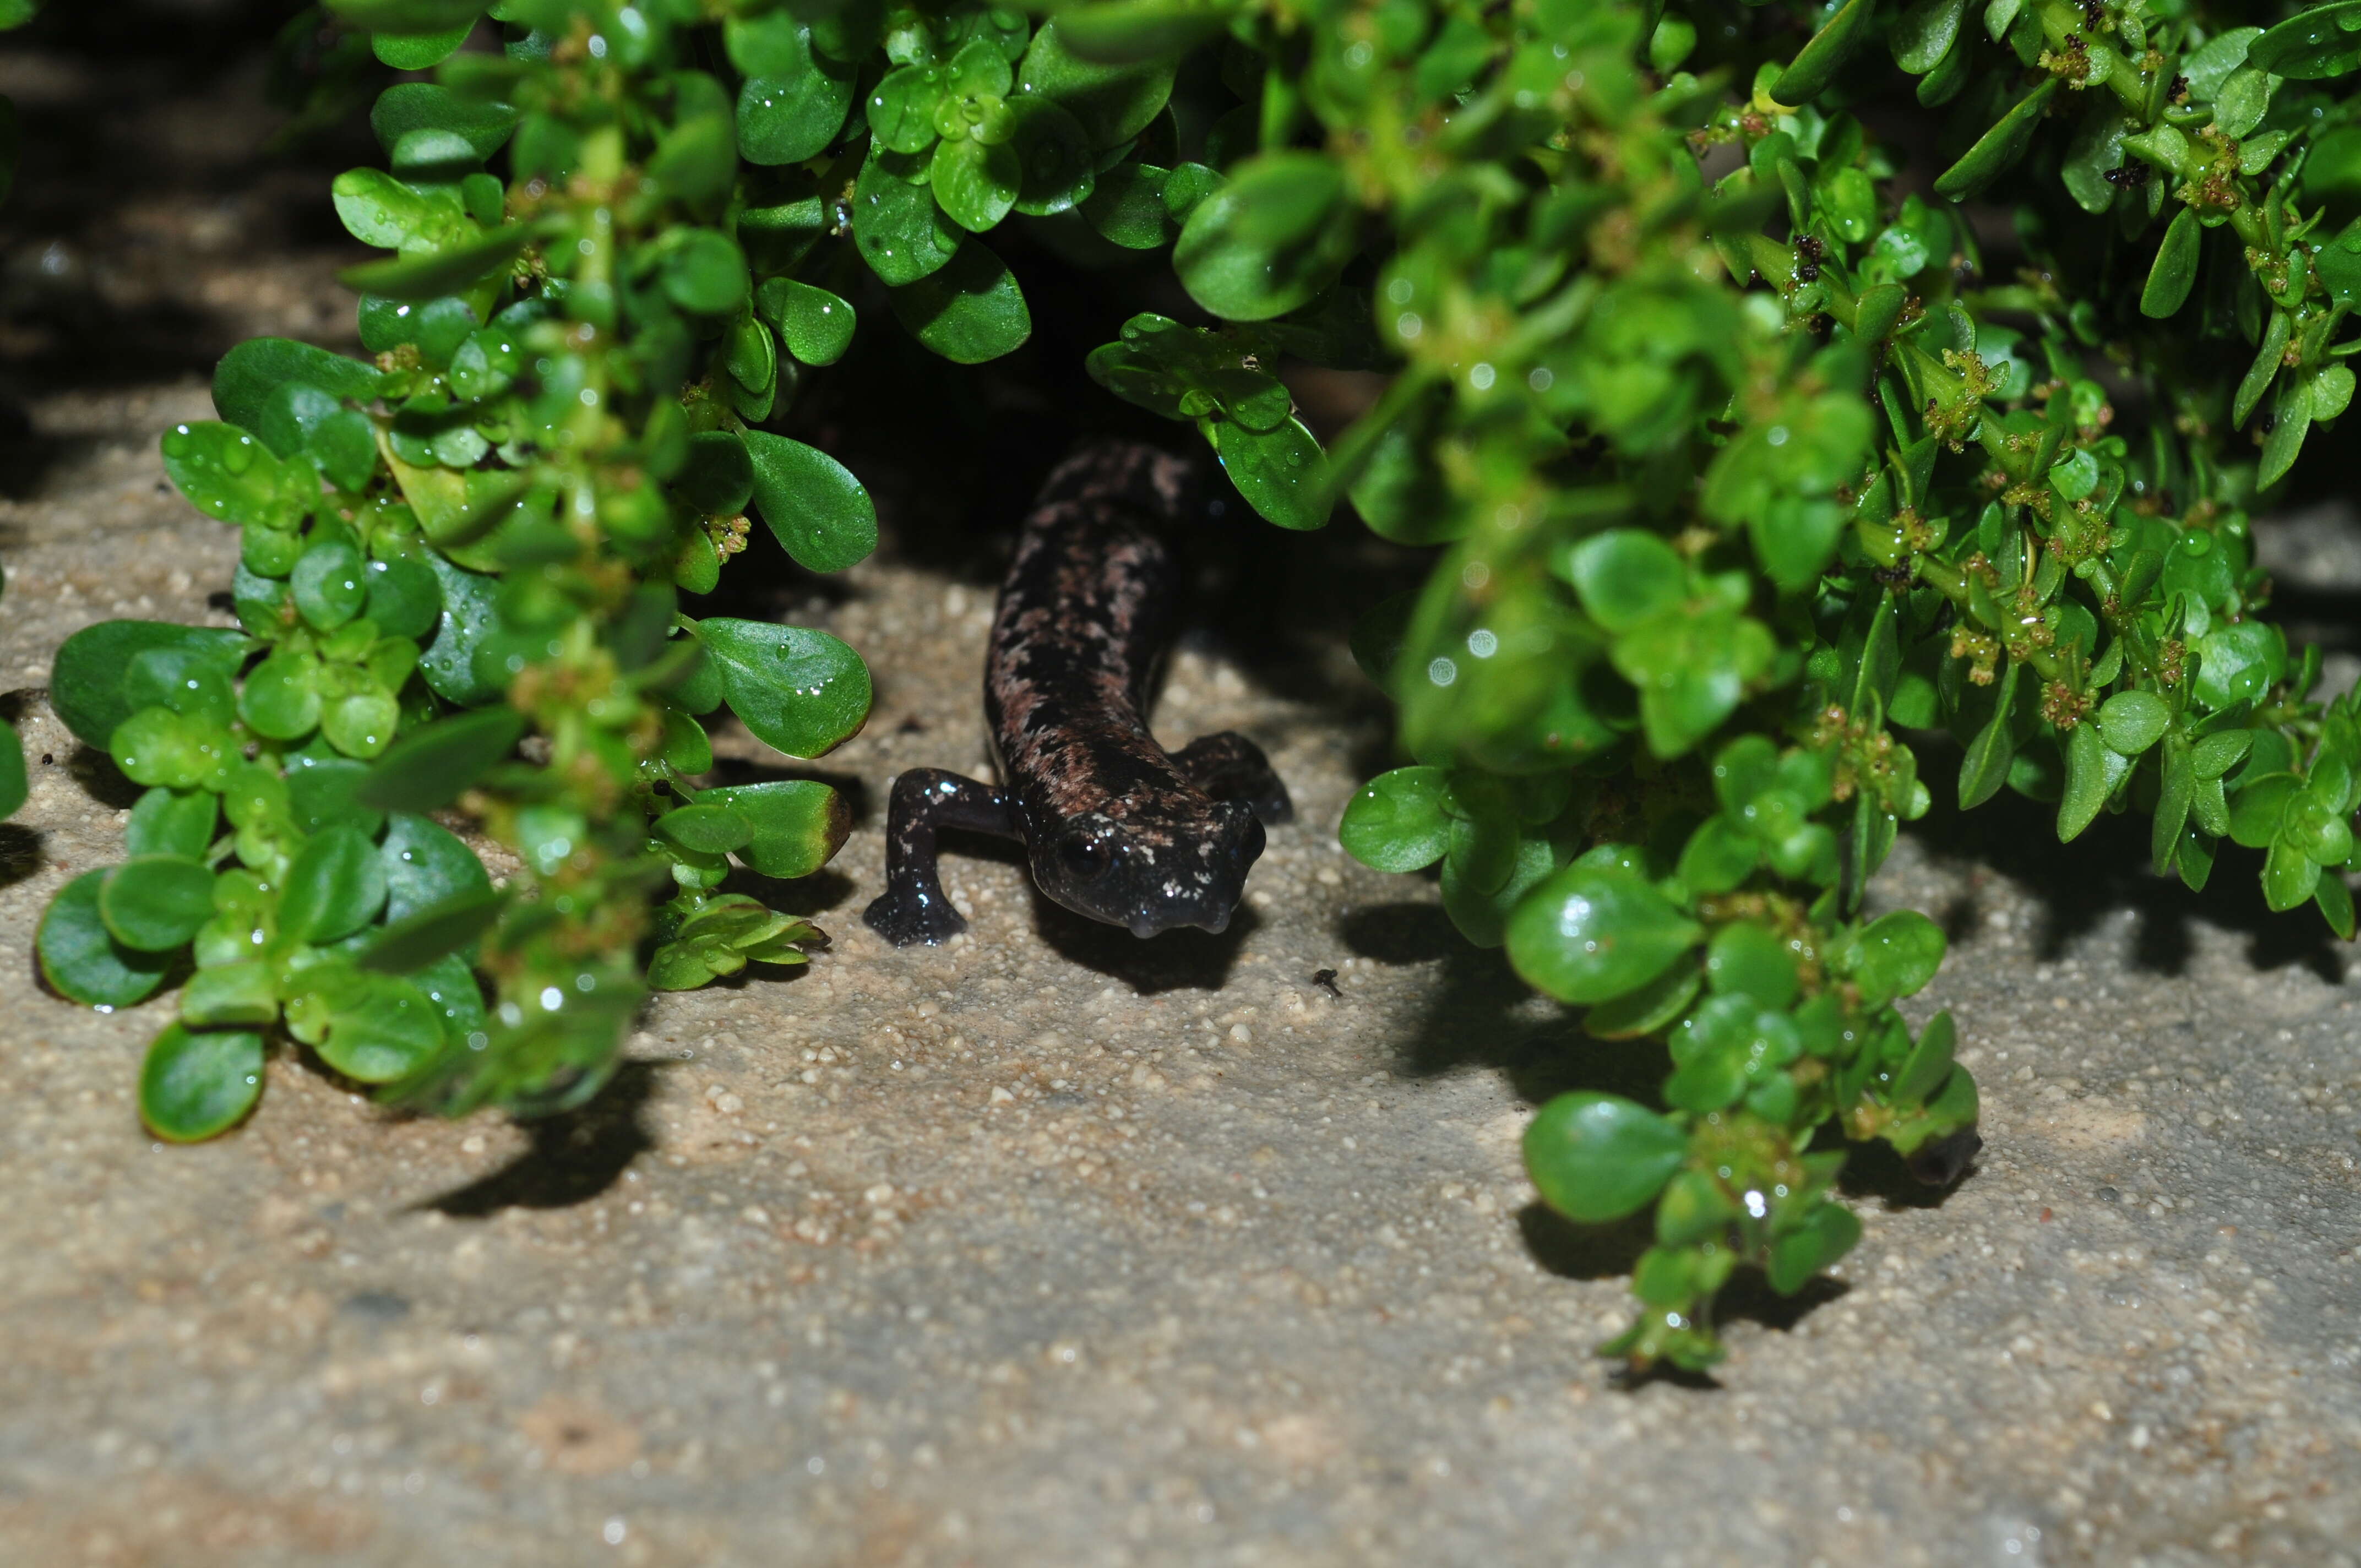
(1151, 877)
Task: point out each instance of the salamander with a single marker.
(1113, 826)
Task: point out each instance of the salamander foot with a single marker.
(907, 917)
(1228, 766)
(914, 908)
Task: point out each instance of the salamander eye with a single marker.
(1084, 857)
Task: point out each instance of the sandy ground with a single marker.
(1055, 1248)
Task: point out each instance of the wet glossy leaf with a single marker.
(1282, 473)
(815, 326)
(2217, 753)
(2210, 64)
(83, 961)
(404, 598)
(2285, 443)
(2088, 782)
(359, 718)
(1588, 933)
(1923, 34)
(706, 829)
(1276, 235)
(2175, 268)
(897, 226)
(1985, 767)
(407, 108)
(1057, 162)
(250, 374)
(155, 903)
(800, 691)
(2175, 797)
(2245, 97)
(230, 994)
(1113, 102)
(901, 108)
(1897, 954)
(797, 825)
(322, 796)
(2289, 876)
(419, 51)
(470, 620)
(2239, 662)
(232, 477)
(1997, 150)
(376, 209)
(1127, 206)
(812, 502)
(2335, 902)
(969, 312)
(792, 102)
(2322, 42)
(173, 822)
(976, 182)
(2132, 721)
(335, 886)
(387, 1029)
(1600, 1157)
(427, 866)
(2267, 359)
(198, 1083)
(329, 585)
(1818, 62)
(1398, 821)
(157, 746)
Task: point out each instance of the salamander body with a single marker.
(1114, 827)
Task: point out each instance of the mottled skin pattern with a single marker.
(1116, 828)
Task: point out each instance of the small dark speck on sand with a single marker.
(379, 1306)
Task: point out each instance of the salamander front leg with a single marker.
(1228, 766)
(912, 907)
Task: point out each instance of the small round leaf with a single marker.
(2132, 721)
(801, 691)
(797, 824)
(969, 312)
(155, 903)
(197, 1083)
(812, 502)
(80, 958)
(1398, 821)
(1590, 933)
(1600, 1157)
(389, 1029)
(335, 886)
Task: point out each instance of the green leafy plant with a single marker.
(1747, 474)
(1743, 462)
